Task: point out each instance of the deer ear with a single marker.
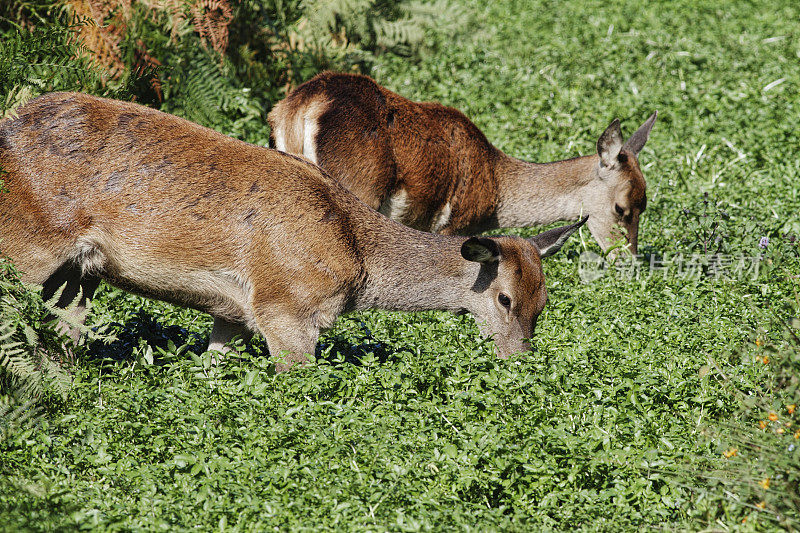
(637, 140)
(609, 144)
(480, 250)
(552, 240)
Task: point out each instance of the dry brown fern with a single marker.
(106, 22)
(146, 63)
(211, 19)
(175, 9)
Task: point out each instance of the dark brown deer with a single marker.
(261, 240)
(429, 167)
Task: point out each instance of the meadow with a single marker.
(660, 392)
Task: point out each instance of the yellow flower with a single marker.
(762, 424)
(764, 483)
(780, 431)
(759, 342)
(765, 359)
(730, 453)
(791, 408)
(797, 434)
(761, 505)
(773, 416)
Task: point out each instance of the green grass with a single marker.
(620, 417)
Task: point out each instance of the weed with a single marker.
(641, 404)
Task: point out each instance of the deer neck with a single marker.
(408, 270)
(540, 193)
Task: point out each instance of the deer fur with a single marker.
(429, 167)
(261, 240)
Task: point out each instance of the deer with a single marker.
(263, 241)
(429, 167)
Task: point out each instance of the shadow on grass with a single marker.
(342, 348)
(143, 329)
(138, 331)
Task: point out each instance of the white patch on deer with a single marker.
(280, 139)
(441, 219)
(395, 206)
(310, 129)
(308, 126)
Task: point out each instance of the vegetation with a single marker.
(660, 392)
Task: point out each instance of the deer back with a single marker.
(422, 164)
(169, 209)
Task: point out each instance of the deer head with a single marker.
(509, 292)
(616, 196)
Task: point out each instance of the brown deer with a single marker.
(429, 167)
(261, 240)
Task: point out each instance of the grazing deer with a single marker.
(261, 240)
(429, 167)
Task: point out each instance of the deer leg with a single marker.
(223, 331)
(75, 296)
(289, 341)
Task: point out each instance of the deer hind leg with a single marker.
(222, 333)
(77, 290)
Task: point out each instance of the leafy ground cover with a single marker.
(659, 394)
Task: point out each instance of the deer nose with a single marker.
(512, 347)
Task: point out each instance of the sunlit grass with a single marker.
(643, 402)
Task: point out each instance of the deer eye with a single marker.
(504, 300)
(619, 210)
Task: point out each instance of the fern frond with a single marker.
(41, 59)
(402, 32)
(31, 336)
(211, 19)
(17, 414)
(58, 381)
(18, 361)
(30, 346)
